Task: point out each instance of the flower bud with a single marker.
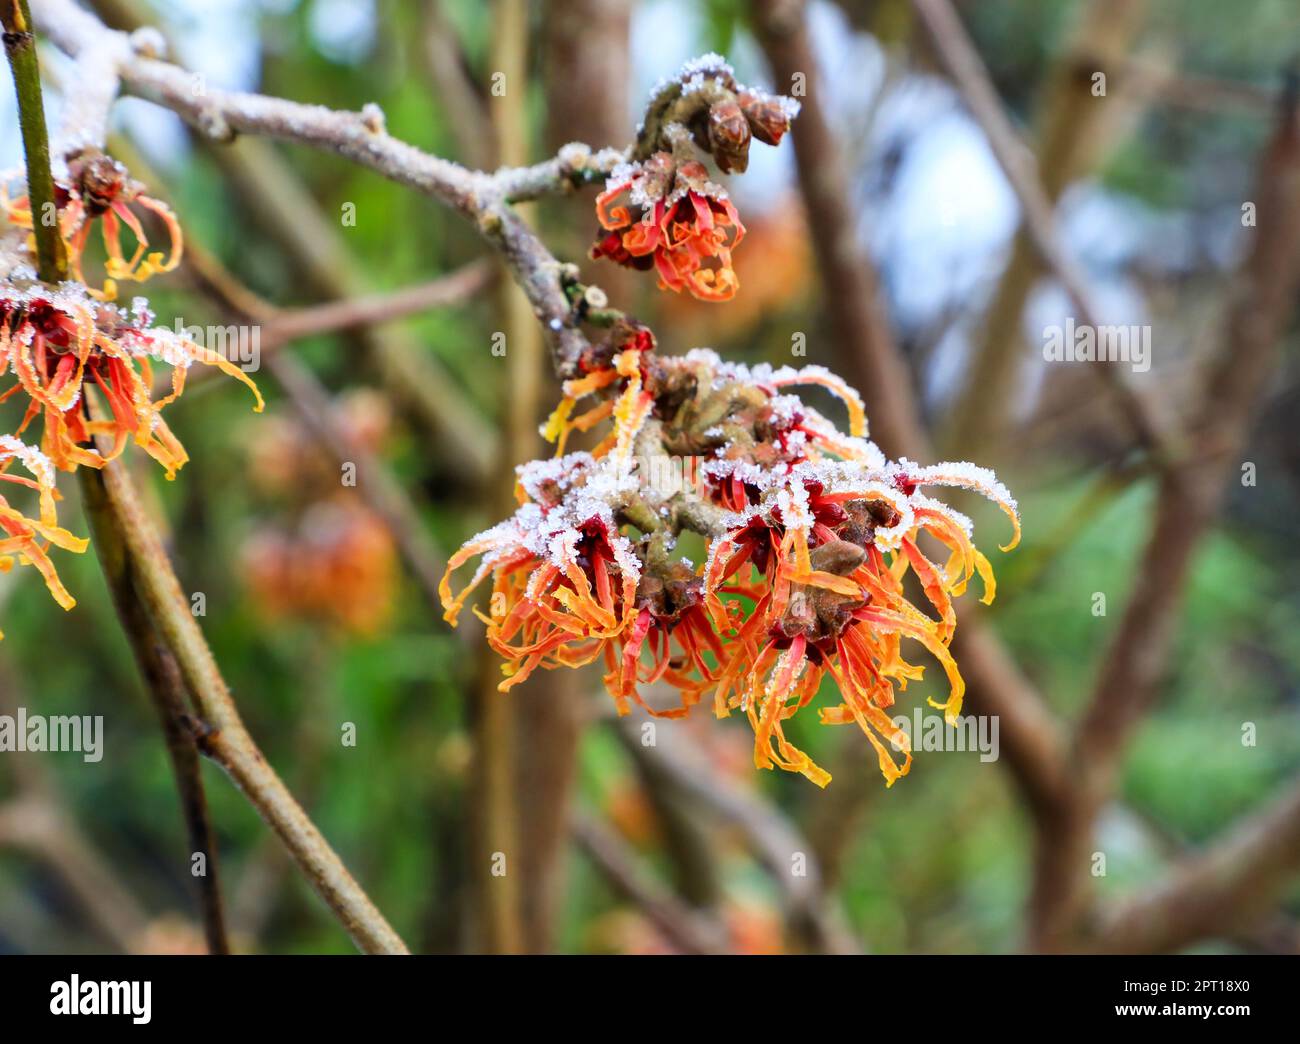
(768, 119)
(729, 136)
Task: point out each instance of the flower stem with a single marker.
(20, 47)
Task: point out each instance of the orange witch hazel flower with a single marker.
(338, 565)
(686, 235)
(91, 187)
(27, 540)
(59, 342)
(660, 210)
(809, 536)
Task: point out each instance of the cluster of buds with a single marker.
(660, 210)
(809, 534)
(58, 344)
(94, 187)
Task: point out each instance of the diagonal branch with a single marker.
(971, 77)
(163, 681)
(1220, 891)
(1189, 498)
(115, 510)
(688, 929)
(114, 505)
(382, 492)
(362, 138)
(1031, 740)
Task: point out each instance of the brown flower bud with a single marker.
(729, 136)
(767, 119)
(100, 179)
(838, 557)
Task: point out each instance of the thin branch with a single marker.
(686, 928)
(362, 138)
(1221, 891)
(112, 501)
(155, 664)
(1072, 134)
(774, 839)
(37, 825)
(167, 691)
(874, 364)
(412, 375)
(336, 316)
(20, 47)
(462, 104)
(115, 511)
(283, 326)
(869, 357)
(1188, 500)
(382, 493)
(972, 80)
(1185, 90)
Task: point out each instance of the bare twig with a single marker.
(455, 287)
(774, 840)
(1039, 220)
(163, 681)
(112, 501)
(153, 661)
(869, 357)
(876, 367)
(382, 492)
(1189, 497)
(282, 327)
(1071, 134)
(496, 827)
(462, 104)
(361, 137)
(36, 824)
(686, 928)
(1220, 891)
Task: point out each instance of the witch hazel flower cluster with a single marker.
(64, 345)
(660, 210)
(810, 534)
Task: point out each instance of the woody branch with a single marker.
(360, 136)
(1246, 869)
(143, 579)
